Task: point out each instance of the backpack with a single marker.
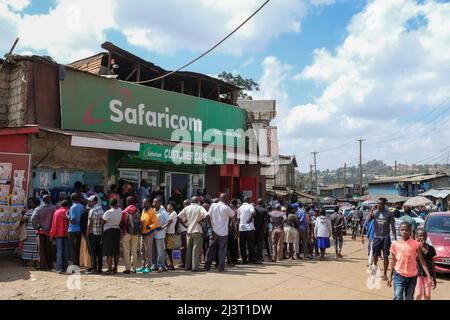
(133, 223)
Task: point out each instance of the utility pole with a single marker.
(395, 170)
(345, 178)
(360, 167)
(311, 177)
(448, 156)
(315, 170)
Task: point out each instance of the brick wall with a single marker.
(13, 96)
(4, 97)
(64, 156)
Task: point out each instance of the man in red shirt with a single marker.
(59, 231)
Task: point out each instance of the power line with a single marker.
(432, 157)
(209, 50)
(422, 125)
(338, 147)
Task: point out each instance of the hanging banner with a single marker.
(14, 181)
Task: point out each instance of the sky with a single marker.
(340, 70)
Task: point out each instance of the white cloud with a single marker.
(322, 2)
(196, 25)
(385, 75)
(272, 84)
(17, 5)
(75, 28)
(70, 31)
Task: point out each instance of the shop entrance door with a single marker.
(249, 187)
(178, 186)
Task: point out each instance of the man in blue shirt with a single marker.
(159, 248)
(77, 210)
(303, 245)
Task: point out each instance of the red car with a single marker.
(437, 225)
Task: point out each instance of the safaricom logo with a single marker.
(143, 117)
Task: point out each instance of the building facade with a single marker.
(408, 185)
(94, 121)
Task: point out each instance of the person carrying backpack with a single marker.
(131, 227)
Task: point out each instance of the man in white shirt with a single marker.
(192, 216)
(246, 215)
(218, 217)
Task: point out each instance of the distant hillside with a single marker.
(371, 170)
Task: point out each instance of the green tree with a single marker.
(247, 85)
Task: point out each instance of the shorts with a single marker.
(381, 244)
(170, 241)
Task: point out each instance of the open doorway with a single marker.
(178, 189)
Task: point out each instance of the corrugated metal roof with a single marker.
(286, 160)
(441, 194)
(410, 178)
(109, 136)
(335, 187)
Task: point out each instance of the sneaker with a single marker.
(160, 270)
(140, 270)
(146, 270)
(126, 271)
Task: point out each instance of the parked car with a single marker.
(437, 225)
(329, 209)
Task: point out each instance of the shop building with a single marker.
(87, 122)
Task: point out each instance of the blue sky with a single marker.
(339, 69)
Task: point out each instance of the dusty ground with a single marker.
(344, 279)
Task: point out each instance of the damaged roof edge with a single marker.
(126, 54)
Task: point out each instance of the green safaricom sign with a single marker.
(183, 154)
(96, 104)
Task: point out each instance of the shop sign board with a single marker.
(96, 104)
(182, 154)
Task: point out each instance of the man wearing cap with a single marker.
(384, 223)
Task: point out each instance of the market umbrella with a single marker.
(418, 202)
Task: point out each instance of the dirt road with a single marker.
(310, 280)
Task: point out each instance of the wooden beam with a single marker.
(199, 87)
(131, 74)
(138, 74)
(182, 87)
(109, 62)
(211, 93)
(218, 92)
(162, 83)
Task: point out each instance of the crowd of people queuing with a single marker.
(88, 227)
